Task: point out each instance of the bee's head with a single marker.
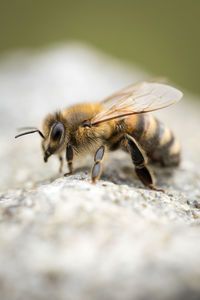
(53, 142)
(53, 137)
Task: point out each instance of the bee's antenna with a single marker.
(29, 132)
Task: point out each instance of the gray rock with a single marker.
(64, 238)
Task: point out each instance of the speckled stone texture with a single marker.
(64, 238)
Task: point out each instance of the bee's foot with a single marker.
(68, 174)
(156, 189)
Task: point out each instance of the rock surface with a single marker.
(63, 238)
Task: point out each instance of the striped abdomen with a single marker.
(155, 138)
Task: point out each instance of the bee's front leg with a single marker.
(69, 158)
(61, 163)
(139, 159)
(97, 167)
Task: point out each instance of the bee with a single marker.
(120, 121)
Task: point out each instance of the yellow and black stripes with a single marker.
(150, 138)
(156, 140)
(167, 153)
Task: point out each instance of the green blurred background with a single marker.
(161, 36)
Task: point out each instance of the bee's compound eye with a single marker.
(57, 132)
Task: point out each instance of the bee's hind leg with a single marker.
(69, 158)
(140, 160)
(97, 167)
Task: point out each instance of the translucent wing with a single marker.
(136, 99)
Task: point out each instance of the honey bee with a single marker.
(120, 121)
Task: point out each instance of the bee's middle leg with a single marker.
(97, 167)
(139, 159)
(69, 158)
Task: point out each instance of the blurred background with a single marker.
(162, 37)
